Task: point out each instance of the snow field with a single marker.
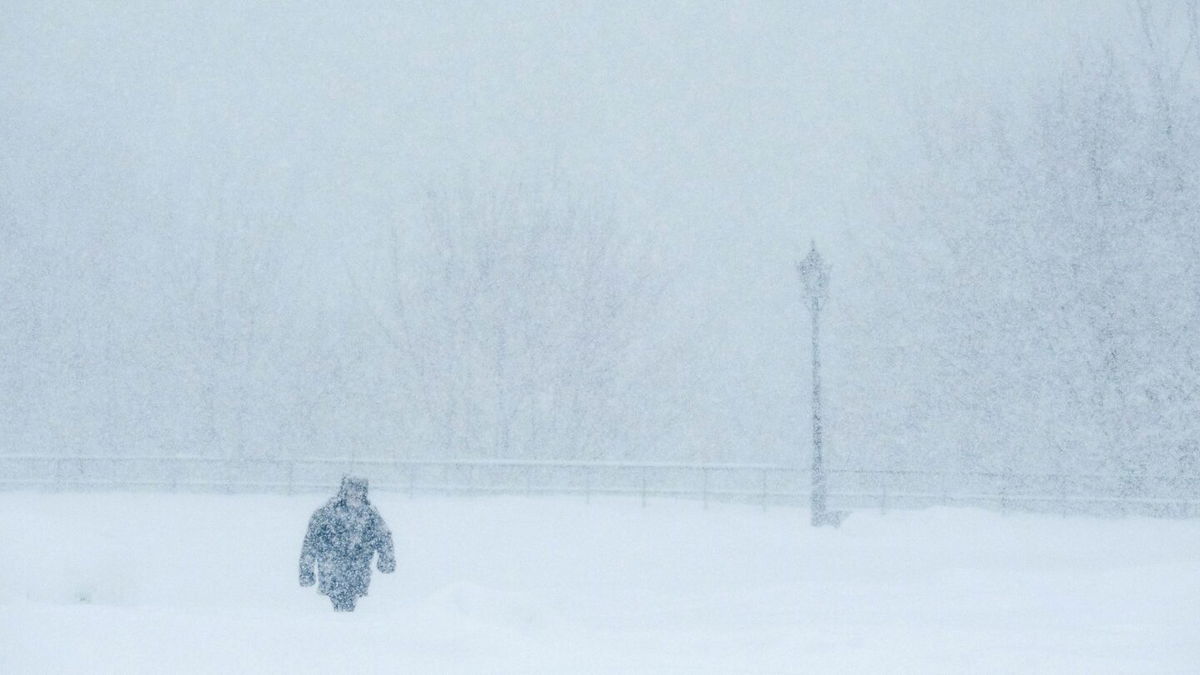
(135, 583)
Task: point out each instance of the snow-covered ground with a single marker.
(205, 583)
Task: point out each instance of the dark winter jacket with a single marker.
(341, 540)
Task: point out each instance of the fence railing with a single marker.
(762, 483)
(765, 484)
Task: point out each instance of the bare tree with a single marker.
(1073, 254)
(517, 311)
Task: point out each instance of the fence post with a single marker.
(643, 487)
(704, 489)
(764, 489)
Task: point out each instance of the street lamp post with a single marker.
(814, 275)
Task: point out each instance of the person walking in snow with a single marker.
(342, 537)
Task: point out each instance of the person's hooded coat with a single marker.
(341, 540)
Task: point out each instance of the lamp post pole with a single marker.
(814, 275)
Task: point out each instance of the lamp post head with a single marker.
(814, 274)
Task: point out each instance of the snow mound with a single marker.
(474, 603)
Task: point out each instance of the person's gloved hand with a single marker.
(386, 566)
(307, 578)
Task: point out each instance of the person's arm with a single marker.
(383, 545)
(308, 553)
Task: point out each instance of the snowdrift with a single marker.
(207, 583)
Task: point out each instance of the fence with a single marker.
(765, 484)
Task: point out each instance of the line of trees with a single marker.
(501, 319)
(1055, 241)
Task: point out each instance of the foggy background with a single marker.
(471, 230)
